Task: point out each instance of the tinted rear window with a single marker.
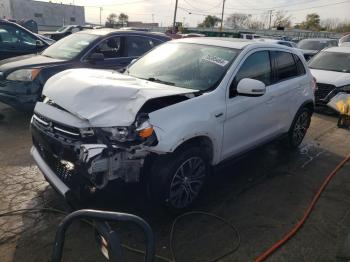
(300, 65)
(285, 66)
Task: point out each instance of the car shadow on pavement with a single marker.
(262, 194)
(247, 192)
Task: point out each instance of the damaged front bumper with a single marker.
(76, 165)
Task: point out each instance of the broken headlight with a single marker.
(145, 129)
(140, 132)
(345, 88)
(120, 134)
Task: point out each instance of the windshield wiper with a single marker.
(152, 79)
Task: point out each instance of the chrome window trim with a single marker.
(40, 120)
(83, 58)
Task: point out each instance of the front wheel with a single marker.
(176, 180)
(299, 128)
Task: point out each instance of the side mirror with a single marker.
(39, 43)
(96, 57)
(133, 61)
(251, 87)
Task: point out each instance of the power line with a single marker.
(265, 10)
(308, 8)
(201, 10)
(124, 3)
(277, 7)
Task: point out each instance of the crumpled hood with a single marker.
(104, 98)
(330, 77)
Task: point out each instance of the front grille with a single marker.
(58, 129)
(324, 91)
(61, 170)
(4, 82)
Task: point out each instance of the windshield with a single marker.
(314, 44)
(63, 28)
(70, 46)
(332, 61)
(192, 66)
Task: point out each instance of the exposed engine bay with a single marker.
(83, 152)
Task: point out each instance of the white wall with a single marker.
(52, 14)
(5, 9)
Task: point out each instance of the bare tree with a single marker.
(209, 21)
(256, 24)
(330, 24)
(238, 20)
(111, 20)
(123, 18)
(282, 19)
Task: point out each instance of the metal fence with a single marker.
(290, 33)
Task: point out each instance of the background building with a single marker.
(48, 16)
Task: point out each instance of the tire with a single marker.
(298, 128)
(177, 179)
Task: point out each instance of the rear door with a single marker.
(288, 82)
(139, 45)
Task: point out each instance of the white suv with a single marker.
(185, 106)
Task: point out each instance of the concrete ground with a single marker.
(263, 195)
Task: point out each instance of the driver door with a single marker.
(249, 120)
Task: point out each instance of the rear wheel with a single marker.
(299, 128)
(176, 180)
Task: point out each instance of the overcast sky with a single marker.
(162, 11)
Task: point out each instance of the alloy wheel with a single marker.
(300, 128)
(187, 182)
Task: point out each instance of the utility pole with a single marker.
(101, 15)
(270, 11)
(175, 11)
(222, 13)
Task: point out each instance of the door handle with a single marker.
(219, 114)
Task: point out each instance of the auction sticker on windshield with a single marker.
(216, 60)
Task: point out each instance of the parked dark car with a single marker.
(65, 31)
(16, 40)
(22, 78)
(312, 46)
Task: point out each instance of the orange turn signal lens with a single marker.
(147, 132)
(35, 73)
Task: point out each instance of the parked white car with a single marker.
(185, 106)
(345, 40)
(331, 68)
(278, 41)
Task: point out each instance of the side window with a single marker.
(137, 45)
(256, 66)
(285, 66)
(12, 35)
(110, 48)
(26, 39)
(300, 65)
